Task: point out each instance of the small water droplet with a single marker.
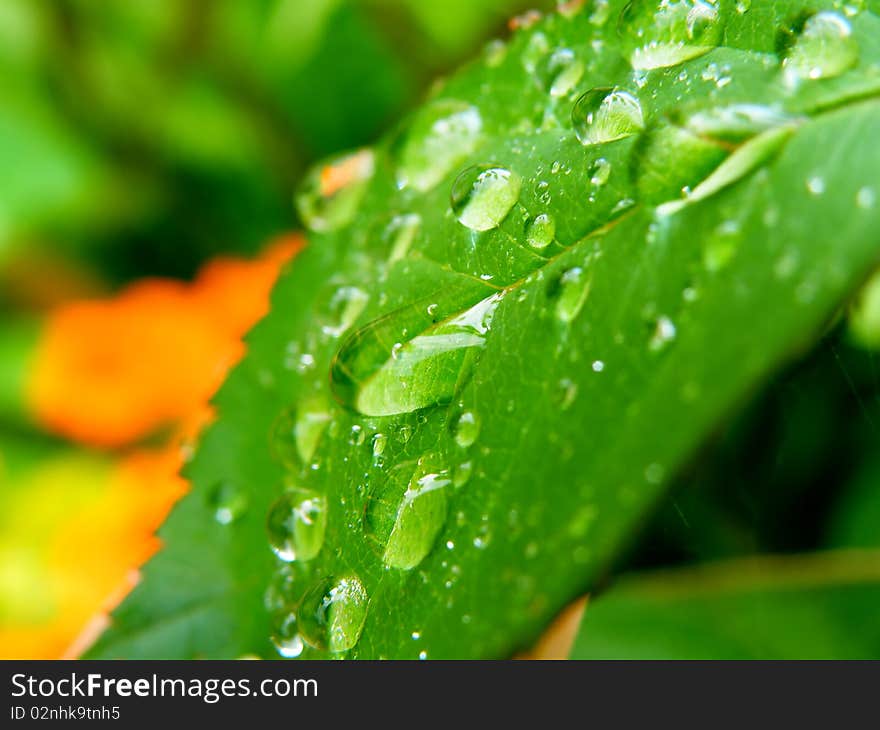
(568, 391)
(297, 431)
(598, 366)
(601, 11)
(345, 307)
(743, 6)
(495, 52)
(400, 234)
(866, 197)
(380, 441)
(439, 139)
(560, 72)
(664, 333)
(571, 292)
(824, 48)
(332, 613)
(330, 193)
(405, 515)
(483, 195)
(540, 231)
(296, 523)
(605, 114)
(600, 171)
(416, 635)
(357, 435)
(461, 475)
(654, 473)
(285, 636)
(536, 49)
(816, 185)
(721, 246)
(659, 35)
(228, 502)
(467, 429)
(423, 655)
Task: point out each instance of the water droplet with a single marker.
(598, 366)
(540, 231)
(285, 637)
(423, 655)
(377, 378)
(357, 436)
(816, 185)
(346, 306)
(332, 613)
(442, 135)
(601, 11)
(568, 391)
(483, 195)
(824, 48)
(228, 502)
(866, 197)
(494, 53)
(536, 49)
(416, 635)
(405, 515)
(721, 246)
(571, 292)
(400, 234)
(670, 32)
(467, 429)
(560, 72)
(743, 6)
(461, 475)
(605, 114)
(600, 171)
(380, 441)
(654, 473)
(296, 523)
(297, 431)
(664, 333)
(330, 193)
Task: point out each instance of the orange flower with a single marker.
(112, 371)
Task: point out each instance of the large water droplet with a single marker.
(571, 292)
(824, 48)
(439, 139)
(411, 358)
(667, 33)
(285, 636)
(540, 231)
(228, 502)
(296, 523)
(483, 195)
(332, 613)
(330, 193)
(605, 114)
(408, 511)
(560, 72)
(467, 429)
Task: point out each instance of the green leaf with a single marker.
(819, 606)
(435, 339)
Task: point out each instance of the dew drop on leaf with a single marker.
(332, 613)
(330, 193)
(560, 72)
(483, 195)
(664, 333)
(669, 32)
(345, 307)
(399, 235)
(824, 48)
(605, 114)
(438, 140)
(296, 431)
(296, 524)
(571, 292)
(461, 474)
(408, 359)
(540, 231)
(228, 502)
(407, 512)
(285, 636)
(600, 171)
(467, 429)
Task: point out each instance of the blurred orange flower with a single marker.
(109, 373)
